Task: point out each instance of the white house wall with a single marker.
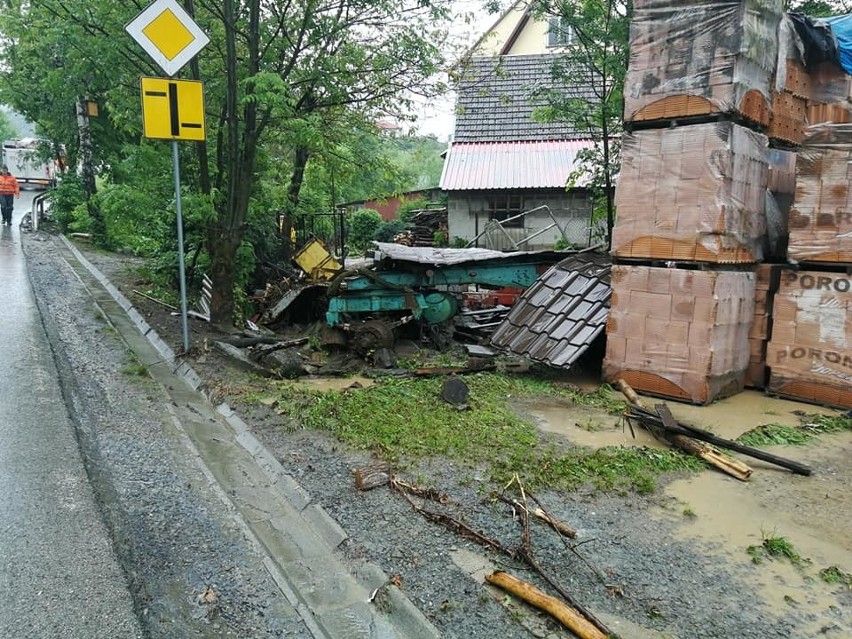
(531, 40)
(468, 216)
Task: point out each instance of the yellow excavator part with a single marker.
(315, 260)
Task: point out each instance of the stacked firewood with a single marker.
(424, 225)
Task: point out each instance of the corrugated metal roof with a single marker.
(510, 165)
(561, 314)
(450, 256)
(496, 98)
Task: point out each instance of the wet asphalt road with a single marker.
(58, 573)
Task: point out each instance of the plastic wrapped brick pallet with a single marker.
(680, 333)
(821, 215)
(692, 193)
(692, 58)
(810, 353)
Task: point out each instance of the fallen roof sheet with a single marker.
(510, 165)
(557, 318)
(445, 256)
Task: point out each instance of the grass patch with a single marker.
(811, 427)
(405, 419)
(773, 547)
(135, 370)
(833, 575)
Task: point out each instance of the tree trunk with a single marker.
(223, 252)
(84, 133)
(293, 190)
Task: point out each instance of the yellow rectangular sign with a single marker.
(173, 109)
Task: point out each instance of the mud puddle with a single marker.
(586, 426)
(726, 517)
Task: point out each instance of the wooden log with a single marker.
(372, 476)
(629, 393)
(561, 526)
(732, 467)
(557, 609)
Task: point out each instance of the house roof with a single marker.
(562, 313)
(494, 100)
(510, 165)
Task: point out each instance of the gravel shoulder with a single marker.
(642, 567)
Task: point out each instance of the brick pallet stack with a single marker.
(810, 351)
(691, 194)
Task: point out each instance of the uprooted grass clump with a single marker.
(774, 547)
(834, 575)
(812, 425)
(405, 419)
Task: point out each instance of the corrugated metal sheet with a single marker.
(449, 256)
(561, 314)
(510, 165)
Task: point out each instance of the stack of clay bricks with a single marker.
(733, 237)
(809, 355)
(691, 223)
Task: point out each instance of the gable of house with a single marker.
(517, 32)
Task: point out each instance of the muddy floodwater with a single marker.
(725, 516)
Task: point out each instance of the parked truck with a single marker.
(27, 164)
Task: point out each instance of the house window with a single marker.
(502, 206)
(559, 33)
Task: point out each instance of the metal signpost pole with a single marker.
(181, 268)
(171, 109)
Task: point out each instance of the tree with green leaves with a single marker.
(7, 129)
(819, 8)
(595, 54)
(285, 83)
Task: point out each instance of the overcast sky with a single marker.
(471, 21)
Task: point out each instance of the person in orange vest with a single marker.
(8, 189)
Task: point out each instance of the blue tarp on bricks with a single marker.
(841, 26)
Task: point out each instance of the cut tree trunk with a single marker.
(557, 609)
(373, 476)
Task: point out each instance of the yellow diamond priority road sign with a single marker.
(169, 35)
(172, 109)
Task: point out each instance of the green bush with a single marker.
(388, 230)
(133, 219)
(363, 225)
(65, 202)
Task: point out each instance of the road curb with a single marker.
(402, 613)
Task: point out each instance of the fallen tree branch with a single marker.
(566, 615)
(155, 300)
(697, 433)
(683, 442)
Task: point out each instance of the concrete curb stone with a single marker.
(405, 616)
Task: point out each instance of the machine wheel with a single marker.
(370, 336)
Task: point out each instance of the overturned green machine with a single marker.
(421, 283)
